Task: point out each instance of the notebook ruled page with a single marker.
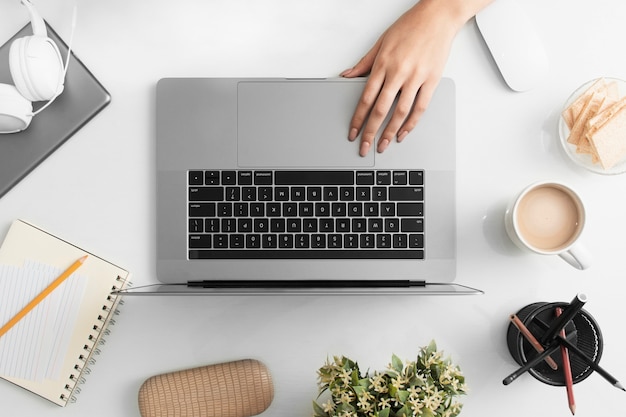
(34, 348)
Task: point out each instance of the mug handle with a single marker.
(577, 256)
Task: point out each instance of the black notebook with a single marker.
(82, 98)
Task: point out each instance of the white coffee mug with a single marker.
(548, 218)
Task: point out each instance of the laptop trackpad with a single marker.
(297, 124)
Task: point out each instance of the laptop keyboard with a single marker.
(296, 214)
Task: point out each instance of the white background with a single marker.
(98, 190)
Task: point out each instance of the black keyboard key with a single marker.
(379, 194)
(383, 241)
(294, 225)
(314, 178)
(399, 178)
(285, 241)
(244, 178)
(196, 178)
(368, 240)
(355, 209)
(281, 193)
(277, 225)
(375, 225)
(237, 241)
(322, 209)
(220, 241)
(383, 177)
(331, 193)
(392, 225)
(206, 194)
(298, 193)
(327, 225)
(412, 225)
(290, 209)
(196, 226)
(411, 209)
(318, 241)
(261, 225)
(229, 178)
(406, 194)
(399, 241)
(363, 193)
(305, 209)
(273, 210)
(212, 225)
(257, 209)
(269, 241)
(211, 178)
(200, 241)
(351, 241)
(248, 193)
(263, 178)
(314, 193)
(244, 225)
(202, 210)
(342, 225)
(346, 193)
(339, 209)
(265, 194)
(416, 177)
(309, 225)
(253, 241)
(359, 225)
(370, 209)
(229, 225)
(302, 241)
(240, 209)
(416, 240)
(387, 209)
(365, 177)
(224, 209)
(335, 241)
(233, 194)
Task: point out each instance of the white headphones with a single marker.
(38, 73)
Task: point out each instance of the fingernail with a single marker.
(346, 72)
(365, 147)
(402, 135)
(383, 145)
(353, 134)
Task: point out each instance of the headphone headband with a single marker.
(36, 21)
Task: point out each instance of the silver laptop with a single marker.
(260, 191)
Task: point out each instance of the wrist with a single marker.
(454, 13)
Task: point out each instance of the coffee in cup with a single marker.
(548, 218)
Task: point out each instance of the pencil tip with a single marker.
(81, 260)
(573, 409)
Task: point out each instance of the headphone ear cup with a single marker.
(16, 112)
(36, 67)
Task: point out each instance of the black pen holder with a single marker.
(583, 332)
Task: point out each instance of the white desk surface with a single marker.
(98, 191)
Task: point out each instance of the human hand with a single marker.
(406, 62)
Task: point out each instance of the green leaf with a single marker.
(383, 413)
(319, 411)
(426, 412)
(396, 363)
(402, 396)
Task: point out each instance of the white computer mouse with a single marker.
(514, 43)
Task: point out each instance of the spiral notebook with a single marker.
(49, 350)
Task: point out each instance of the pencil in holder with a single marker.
(583, 331)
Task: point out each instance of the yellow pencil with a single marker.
(69, 271)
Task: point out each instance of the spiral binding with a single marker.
(95, 339)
